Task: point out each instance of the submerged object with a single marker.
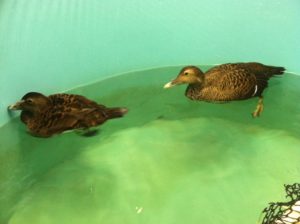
(45, 116)
(227, 82)
(284, 212)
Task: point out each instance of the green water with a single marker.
(170, 160)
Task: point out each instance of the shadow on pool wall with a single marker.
(27, 161)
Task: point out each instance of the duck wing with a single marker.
(229, 82)
(53, 122)
(80, 105)
(73, 101)
(61, 119)
(262, 73)
(260, 70)
(57, 121)
(238, 81)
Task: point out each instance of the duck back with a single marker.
(234, 81)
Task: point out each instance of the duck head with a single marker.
(32, 102)
(188, 75)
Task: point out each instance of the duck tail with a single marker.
(116, 112)
(263, 76)
(274, 70)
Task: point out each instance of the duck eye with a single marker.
(186, 73)
(29, 101)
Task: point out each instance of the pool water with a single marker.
(169, 160)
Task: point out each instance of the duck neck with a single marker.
(197, 85)
(198, 82)
(194, 88)
(26, 116)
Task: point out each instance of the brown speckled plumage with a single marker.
(45, 116)
(226, 82)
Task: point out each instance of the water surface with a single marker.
(170, 160)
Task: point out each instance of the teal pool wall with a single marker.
(51, 46)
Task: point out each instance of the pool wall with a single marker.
(51, 46)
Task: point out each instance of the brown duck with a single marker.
(227, 82)
(45, 116)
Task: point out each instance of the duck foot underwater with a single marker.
(227, 82)
(259, 108)
(45, 116)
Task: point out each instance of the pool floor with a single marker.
(169, 160)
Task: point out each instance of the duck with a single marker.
(227, 82)
(45, 116)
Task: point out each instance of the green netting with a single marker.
(278, 211)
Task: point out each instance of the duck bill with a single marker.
(16, 106)
(174, 82)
